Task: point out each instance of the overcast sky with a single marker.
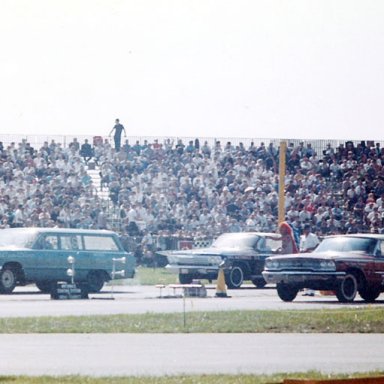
(205, 68)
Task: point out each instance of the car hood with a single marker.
(331, 255)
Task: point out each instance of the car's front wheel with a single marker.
(347, 289)
(235, 277)
(8, 280)
(287, 292)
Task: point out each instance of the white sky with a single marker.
(204, 68)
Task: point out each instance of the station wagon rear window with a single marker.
(100, 243)
(23, 240)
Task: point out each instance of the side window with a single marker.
(381, 249)
(260, 245)
(48, 242)
(71, 242)
(100, 243)
(273, 245)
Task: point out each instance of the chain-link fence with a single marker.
(319, 146)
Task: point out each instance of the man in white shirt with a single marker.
(308, 242)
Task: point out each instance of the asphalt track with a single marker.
(171, 354)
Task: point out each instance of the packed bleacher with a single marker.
(192, 189)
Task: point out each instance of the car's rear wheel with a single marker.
(369, 294)
(347, 289)
(45, 286)
(234, 277)
(95, 281)
(259, 282)
(287, 292)
(8, 280)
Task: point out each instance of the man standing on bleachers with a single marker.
(118, 128)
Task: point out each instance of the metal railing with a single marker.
(37, 141)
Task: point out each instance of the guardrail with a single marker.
(318, 145)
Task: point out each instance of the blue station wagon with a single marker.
(42, 256)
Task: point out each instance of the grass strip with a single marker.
(198, 379)
(149, 276)
(355, 320)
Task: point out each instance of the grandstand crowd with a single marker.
(192, 189)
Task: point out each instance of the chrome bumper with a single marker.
(274, 277)
(187, 269)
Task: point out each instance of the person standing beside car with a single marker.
(288, 243)
(308, 240)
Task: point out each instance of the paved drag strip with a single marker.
(171, 354)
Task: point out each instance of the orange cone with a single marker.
(221, 288)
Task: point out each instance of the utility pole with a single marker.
(282, 157)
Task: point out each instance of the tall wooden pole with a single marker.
(283, 150)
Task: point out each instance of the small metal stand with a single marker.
(120, 260)
(71, 271)
(69, 291)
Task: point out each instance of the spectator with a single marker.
(180, 147)
(86, 151)
(74, 145)
(190, 148)
(118, 129)
(18, 217)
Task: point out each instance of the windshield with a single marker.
(21, 239)
(268, 245)
(235, 240)
(347, 244)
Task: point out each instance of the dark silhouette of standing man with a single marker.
(118, 128)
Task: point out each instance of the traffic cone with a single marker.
(221, 288)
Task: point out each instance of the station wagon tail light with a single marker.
(327, 265)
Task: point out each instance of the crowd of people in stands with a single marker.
(201, 190)
(192, 189)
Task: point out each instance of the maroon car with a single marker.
(345, 264)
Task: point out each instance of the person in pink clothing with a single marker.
(288, 243)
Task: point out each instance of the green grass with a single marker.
(150, 276)
(361, 320)
(201, 379)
